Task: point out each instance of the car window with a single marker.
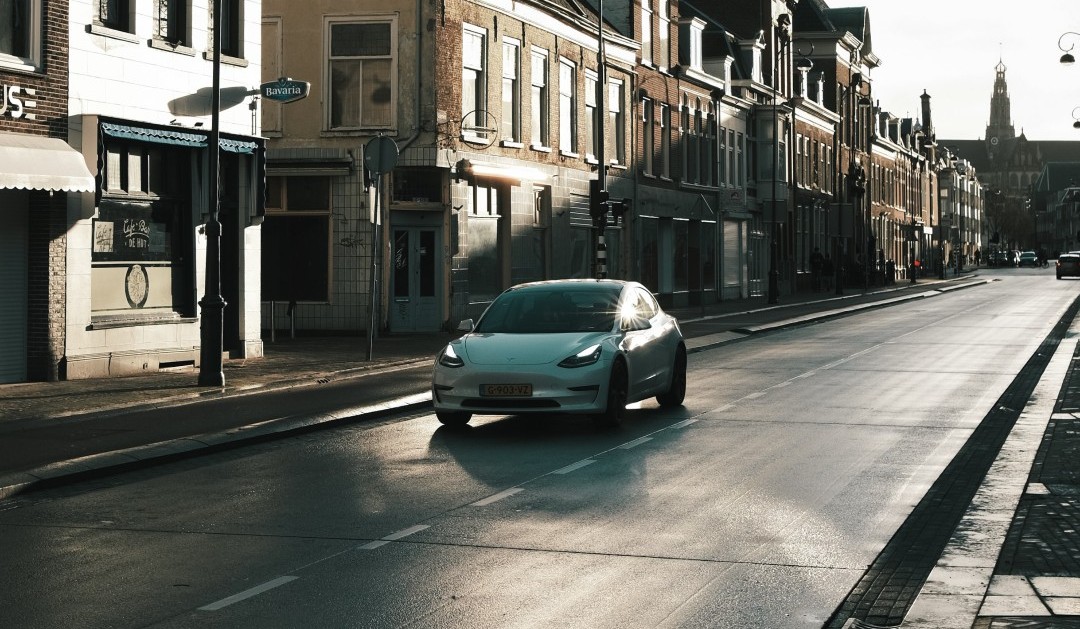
(552, 309)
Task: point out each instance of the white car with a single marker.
(562, 346)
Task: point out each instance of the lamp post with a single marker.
(783, 40)
(1068, 59)
(212, 303)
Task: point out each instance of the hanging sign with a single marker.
(285, 90)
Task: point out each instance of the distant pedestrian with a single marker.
(827, 271)
(817, 261)
(978, 256)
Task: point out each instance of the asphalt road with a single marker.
(760, 503)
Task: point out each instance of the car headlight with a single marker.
(449, 358)
(587, 356)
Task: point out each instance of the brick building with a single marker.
(40, 174)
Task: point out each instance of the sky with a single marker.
(949, 48)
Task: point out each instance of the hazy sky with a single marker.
(949, 49)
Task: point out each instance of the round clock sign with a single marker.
(136, 286)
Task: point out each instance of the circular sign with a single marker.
(380, 154)
(136, 286)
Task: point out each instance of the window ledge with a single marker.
(17, 64)
(540, 148)
(227, 59)
(105, 31)
(617, 166)
(569, 154)
(512, 144)
(161, 44)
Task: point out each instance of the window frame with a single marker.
(328, 90)
(568, 97)
(540, 98)
(479, 72)
(616, 114)
(32, 33)
(511, 88)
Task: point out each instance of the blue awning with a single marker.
(157, 136)
(238, 146)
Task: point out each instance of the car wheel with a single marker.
(1059, 276)
(677, 391)
(453, 418)
(616, 397)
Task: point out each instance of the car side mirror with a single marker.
(466, 325)
(633, 324)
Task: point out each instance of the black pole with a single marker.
(213, 305)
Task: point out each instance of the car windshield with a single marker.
(547, 309)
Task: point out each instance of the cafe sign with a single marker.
(285, 90)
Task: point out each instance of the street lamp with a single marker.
(213, 305)
(783, 40)
(1067, 58)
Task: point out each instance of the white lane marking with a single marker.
(683, 424)
(393, 537)
(574, 466)
(497, 497)
(754, 396)
(236, 598)
(635, 443)
(406, 532)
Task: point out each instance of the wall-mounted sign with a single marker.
(15, 104)
(285, 90)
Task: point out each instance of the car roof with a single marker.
(575, 284)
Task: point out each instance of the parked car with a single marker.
(562, 346)
(1068, 265)
(1028, 258)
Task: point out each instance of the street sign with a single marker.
(380, 154)
(285, 90)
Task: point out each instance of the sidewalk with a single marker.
(1037, 579)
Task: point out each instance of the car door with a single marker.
(645, 351)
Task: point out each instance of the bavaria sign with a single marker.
(285, 90)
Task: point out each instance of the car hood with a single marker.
(525, 349)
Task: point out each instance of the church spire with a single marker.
(1000, 127)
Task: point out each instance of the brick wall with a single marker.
(47, 264)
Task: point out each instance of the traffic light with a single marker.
(598, 201)
(619, 209)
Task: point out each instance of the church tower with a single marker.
(1000, 128)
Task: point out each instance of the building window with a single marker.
(648, 133)
(592, 121)
(663, 23)
(116, 14)
(361, 68)
(540, 116)
(616, 129)
(567, 107)
(723, 161)
(141, 260)
(296, 235)
(20, 28)
(511, 94)
(232, 28)
(665, 140)
(708, 141)
(473, 80)
(646, 33)
(174, 22)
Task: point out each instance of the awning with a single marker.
(33, 162)
(157, 136)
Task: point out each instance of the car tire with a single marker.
(677, 391)
(616, 397)
(453, 418)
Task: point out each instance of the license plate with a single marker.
(506, 390)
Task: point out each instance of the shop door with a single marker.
(14, 251)
(414, 300)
